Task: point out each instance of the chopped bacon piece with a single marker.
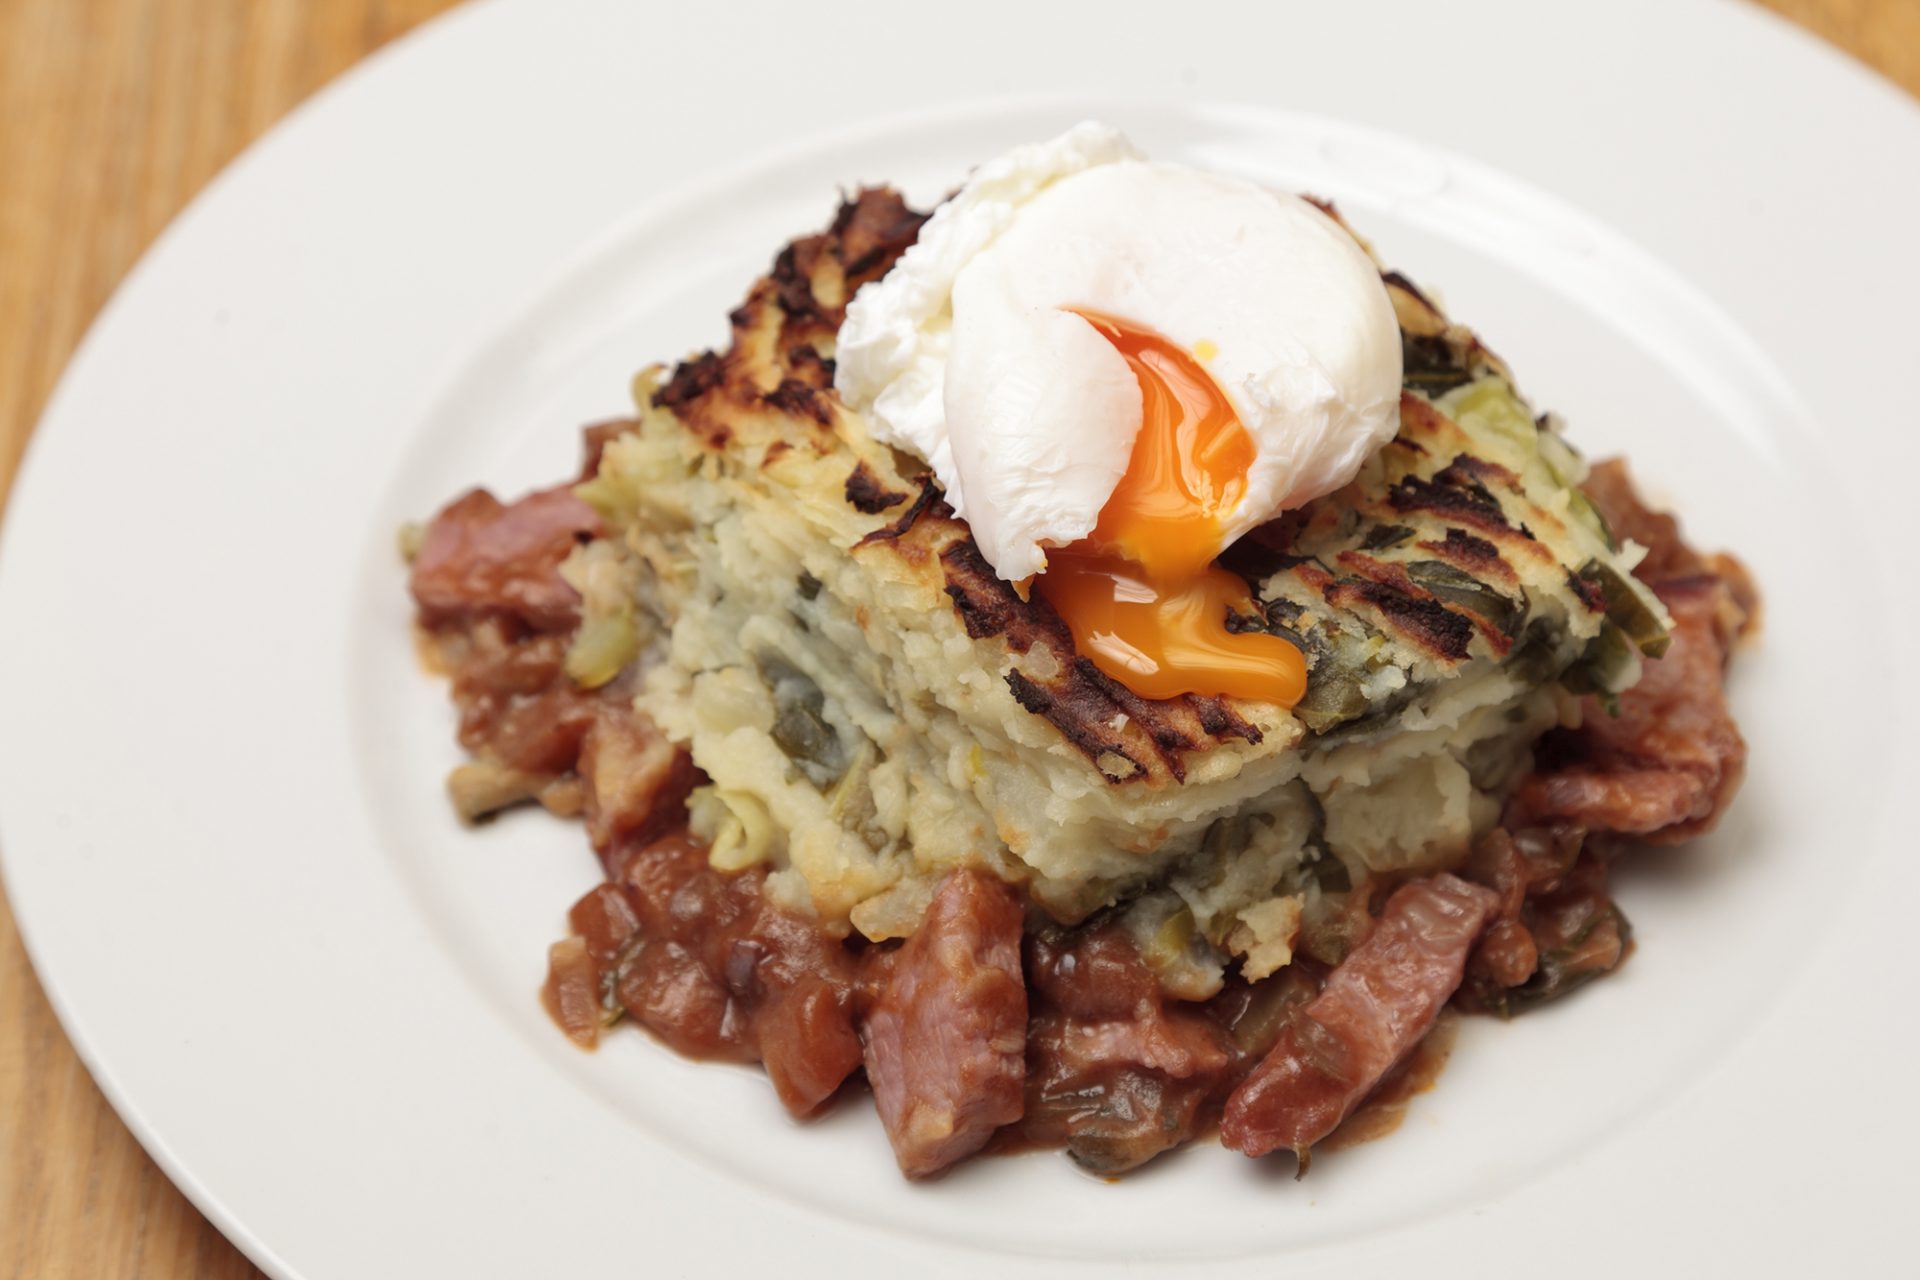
(799, 983)
(520, 714)
(737, 976)
(499, 617)
(481, 557)
(1116, 1074)
(1093, 975)
(946, 1036)
(636, 781)
(537, 734)
(1556, 926)
(1578, 932)
(1374, 1009)
(706, 962)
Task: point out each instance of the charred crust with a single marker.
(868, 234)
(1161, 722)
(809, 366)
(1464, 547)
(986, 605)
(1430, 633)
(1453, 494)
(1222, 721)
(1029, 695)
(691, 380)
(793, 280)
(1419, 617)
(1096, 713)
(1167, 737)
(1474, 554)
(867, 495)
(796, 399)
(873, 229)
(1467, 469)
(1081, 724)
(1399, 281)
(927, 499)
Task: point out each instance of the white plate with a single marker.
(311, 994)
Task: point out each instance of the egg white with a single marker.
(966, 352)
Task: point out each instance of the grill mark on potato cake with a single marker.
(868, 234)
(867, 494)
(1451, 495)
(692, 380)
(928, 499)
(1475, 555)
(1418, 617)
(797, 398)
(1407, 605)
(1081, 701)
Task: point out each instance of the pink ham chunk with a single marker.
(945, 1039)
(1374, 1009)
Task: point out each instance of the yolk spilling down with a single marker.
(1141, 594)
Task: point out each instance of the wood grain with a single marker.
(1884, 34)
(112, 114)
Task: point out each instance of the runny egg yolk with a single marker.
(1141, 594)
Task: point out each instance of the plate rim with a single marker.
(74, 1019)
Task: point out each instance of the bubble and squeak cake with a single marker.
(1104, 661)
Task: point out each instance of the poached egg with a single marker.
(1115, 369)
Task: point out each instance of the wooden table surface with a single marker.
(112, 114)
